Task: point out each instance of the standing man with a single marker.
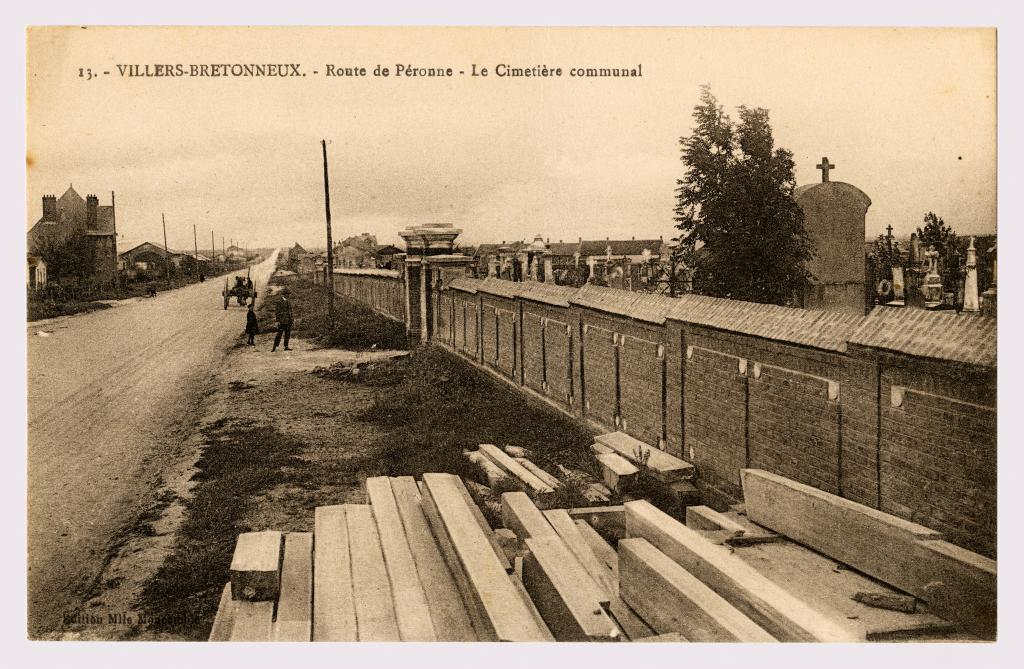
(252, 327)
(283, 311)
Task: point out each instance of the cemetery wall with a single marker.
(725, 401)
(912, 436)
(381, 290)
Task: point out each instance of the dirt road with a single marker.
(109, 394)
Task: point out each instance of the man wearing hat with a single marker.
(283, 312)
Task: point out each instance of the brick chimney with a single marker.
(49, 207)
(91, 204)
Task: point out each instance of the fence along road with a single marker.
(106, 391)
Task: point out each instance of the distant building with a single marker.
(620, 262)
(235, 252)
(356, 252)
(295, 251)
(385, 256)
(81, 233)
(627, 261)
(35, 277)
(305, 263)
(150, 257)
(364, 241)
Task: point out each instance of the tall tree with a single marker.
(68, 255)
(936, 234)
(883, 256)
(742, 233)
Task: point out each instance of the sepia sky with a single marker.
(908, 116)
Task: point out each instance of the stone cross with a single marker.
(825, 166)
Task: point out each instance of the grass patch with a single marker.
(237, 465)
(39, 309)
(443, 405)
(355, 325)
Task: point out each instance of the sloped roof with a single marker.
(826, 330)
(466, 284)
(160, 249)
(547, 293)
(368, 271)
(640, 306)
(70, 195)
(361, 245)
(652, 308)
(71, 208)
(609, 300)
(353, 251)
(487, 249)
(620, 247)
(104, 221)
(500, 287)
(563, 248)
(942, 335)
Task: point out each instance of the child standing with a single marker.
(251, 327)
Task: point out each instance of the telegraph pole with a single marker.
(167, 262)
(213, 248)
(330, 248)
(117, 265)
(195, 240)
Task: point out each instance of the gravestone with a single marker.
(971, 281)
(834, 214)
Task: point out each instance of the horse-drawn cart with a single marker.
(242, 291)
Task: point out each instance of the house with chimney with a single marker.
(76, 238)
(151, 258)
(356, 252)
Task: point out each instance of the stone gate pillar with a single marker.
(429, 261)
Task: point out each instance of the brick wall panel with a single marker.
(641, 388)
(716, 418)
(558, 342)
(472, 327)
(599, 375)
(794, 428)
(489, 331)
(938, 462)
(506, 344)
(533, 351)
(459, 322)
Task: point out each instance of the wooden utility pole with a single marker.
(195, 240)
(213, 248)
(117, 267)
(167, 262)
(330, 247)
